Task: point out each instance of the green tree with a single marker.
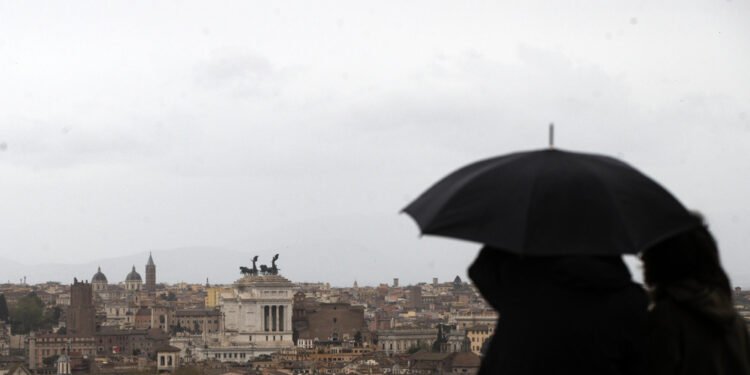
(51, 317)
(417, 348)
(49, 361)
(27, 315)
(4, 314)
(441, 339)
(62, 330)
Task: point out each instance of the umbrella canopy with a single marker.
(552, 202)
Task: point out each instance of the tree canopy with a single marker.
(29, 315)
(4, 313)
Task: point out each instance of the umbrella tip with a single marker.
(551, 135)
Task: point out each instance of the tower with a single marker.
(81, 313)
(150, 275)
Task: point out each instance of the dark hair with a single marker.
(692, 255)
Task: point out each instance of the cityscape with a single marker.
(262, 323)
(374, 187)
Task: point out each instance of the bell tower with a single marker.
(150, 275)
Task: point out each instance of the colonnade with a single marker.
(273, 318)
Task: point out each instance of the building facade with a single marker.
(257, 319)
(399, 341)
(328, 322)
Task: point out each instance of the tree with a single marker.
(51, 317)
(441, 339)
(358, 338)
(26, 315)
(170, 296)
(49, 361)
(4, 314)
(62, 330)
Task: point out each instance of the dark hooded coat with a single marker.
(562, 315)
(694, 329)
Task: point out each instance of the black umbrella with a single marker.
(552, 202)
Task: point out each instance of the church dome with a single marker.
(99, 276)
(133, 276)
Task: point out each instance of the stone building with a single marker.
(48, 345)
(80, 317)
(397, 341)
(257, 319)
(196, 320)
(167, 359)
(150, 275)
(128, 342)
(328, 322)
(414, 297)
(466, 321)
(477, 336)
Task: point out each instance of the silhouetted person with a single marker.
(693, 327)
(562, 315)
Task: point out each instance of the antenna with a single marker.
(551, 135)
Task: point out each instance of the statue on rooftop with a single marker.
(251, 271)
(273, 270)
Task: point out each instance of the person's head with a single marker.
(692, 255)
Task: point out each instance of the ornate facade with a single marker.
(257, 319)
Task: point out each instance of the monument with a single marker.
(257, 316)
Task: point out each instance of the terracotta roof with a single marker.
(466, 359)
(429, 356)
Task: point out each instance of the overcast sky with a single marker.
(129, 126)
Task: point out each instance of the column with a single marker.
(281, 318)
(273, 318)
(266, 313)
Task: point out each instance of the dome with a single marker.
(133, 276)
(99, 276)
